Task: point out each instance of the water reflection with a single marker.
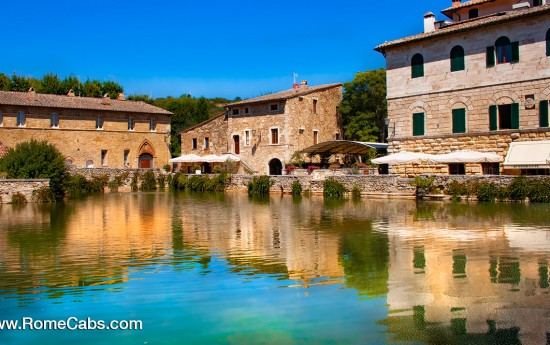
(450, 273)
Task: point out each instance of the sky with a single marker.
(204, 48)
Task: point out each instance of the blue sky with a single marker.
(205, 48)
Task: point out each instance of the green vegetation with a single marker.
(148, 182)
(43, 195)
(424, 185)
(117, 182)
(520, 189)
(199, 183)
(333, 189)
(356, 192)
(260, 185)
(37, 159)
(134, 182)
(78, 185)
(161, 180)
(18, 198)
(296, 187)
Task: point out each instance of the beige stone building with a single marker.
(266, 131)
(90, 132)
(479, 81)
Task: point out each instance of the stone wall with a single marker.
(8, 187)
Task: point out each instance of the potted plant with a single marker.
(198, 169)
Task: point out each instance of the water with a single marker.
(227, 269)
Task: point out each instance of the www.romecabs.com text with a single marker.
(71, 323)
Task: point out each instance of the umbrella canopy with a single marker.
(404, 157)
(189, 158)
(229, 157)
(467, 157)
(344, 147)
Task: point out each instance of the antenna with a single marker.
(295, 75)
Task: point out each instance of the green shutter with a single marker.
(493, 118)
(490, 58)
(418, 124)
(459, 120)
(547, 46)
(543, 113)
(515, 116)
(515, 51)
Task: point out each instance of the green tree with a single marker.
(71, 83)
(51, 84)
(37, 159)
(20, 84)
(364, 107)
(5, 82)
(112, 88)
(92, 88)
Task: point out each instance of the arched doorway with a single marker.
(275, 167)
(145, 161)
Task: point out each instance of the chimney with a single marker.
(303, 84)
(106, 99)
(429, 22)
(456, 3)
(295, 86)
(70, 93)
(32, 94)
(120, 97)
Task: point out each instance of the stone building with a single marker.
(266, 131)
(479, 81)
(89, 132)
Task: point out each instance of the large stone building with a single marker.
(266, 131)
(480, 81)
(89, 132)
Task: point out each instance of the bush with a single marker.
(117, 182)
(356, 192)
(455, 189)
(167, 168)
(539, 191)
(333, 189)
(148, 182)
(296, 188)
(260, 185)
(289, 169)
(79, 185)
(37, 159)
(18, 198)
(424, 185)
(519, 188)
(161, 180)
(487, 192)
(43, 194)
(217, 169)
(134, 182)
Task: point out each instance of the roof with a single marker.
(73, 102)
(344, 147)
(466, 25)
(528, 154)
(284, 95)
(470, 3)
(203, 123)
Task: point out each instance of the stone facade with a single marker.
(8, 187)
(475, 89)
(76, 133)
(266, 131)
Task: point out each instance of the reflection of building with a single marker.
(89, 132)
(265, 131)
(477, 82)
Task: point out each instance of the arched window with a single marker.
(417, 66)
(548, 42)
(506, 51)
(54, 120)
(457, 59)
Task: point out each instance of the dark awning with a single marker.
(344, 147)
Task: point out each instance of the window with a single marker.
(417, 66)
(99, 122)
(194, 143)
(1, 119)
(274, 107)
(543, 113)
(490, 168)
(247, 137)
(457, 59)
(336, 136)
(126, 160)
(537, 2)
(505, 116)
(548, 42)
(459, 120)
(506, 51)
(54, 121)
(473, 13)
(418, 124)
(103, 157)
(89, 163)
(235, 112)
(315, 106)
(206, 143)
(246, 110)
(131, 124)
(274, 136)
(457, 169)
(237, 144)
(21, 119)
(315, 137)
(152, 125)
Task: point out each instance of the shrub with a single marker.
(333, 189)
(289, 169)
(260, 185)
(161, 180)
(196, 183)
(455, 189)
(296, 188)
(18, 198)
(217, 169)
(486, 192)
(43, 194)
(79, 185)
(117, 182)
(424, 185)
(519, 188)
(167, 168)
(148, 182)
(311, 168)
(503, 193)
(539, 191)
(134, 182)
(356, 192)
(37, 159)
(170, 181)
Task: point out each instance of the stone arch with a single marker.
(146, 147)
(505, 97)
(146, 155)
(275, 166)
(69, 161)
(456, 101)
(420, 105)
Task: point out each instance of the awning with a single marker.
(344, 147)
(467, 157)
(189, 158)
(528, 155)
(404, 157)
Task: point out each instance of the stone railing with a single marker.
(9, 187)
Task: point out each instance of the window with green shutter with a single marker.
(418, 124)
(543, 113)
(417, 66)
(490, 56)
(548, 42)
(493, 118)
(459, 120)
(515, 116)
(515, 51)
(457, 59)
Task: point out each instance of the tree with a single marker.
(37, 159)
(112, 88)
(71, 83)
(20, 84)
(364, 106)
(5, 82)
(92, 88)
(51, 84)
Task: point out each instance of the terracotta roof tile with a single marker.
(283, 95)
(57, 101)
(464, 5)
(471, 24)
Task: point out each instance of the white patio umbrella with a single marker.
(467, 157)
(189, 158)
(404, 157)
(230, 157)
